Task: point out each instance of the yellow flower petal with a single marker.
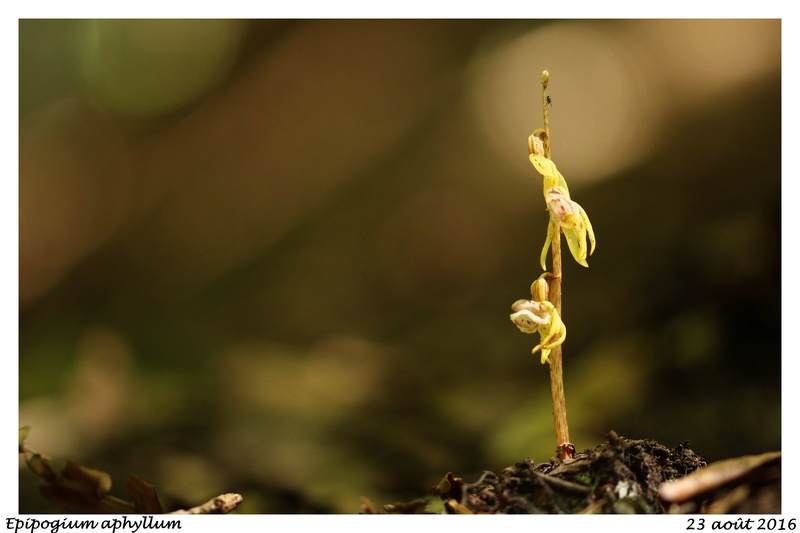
(552, 231)
(589, 230)
(576, 240)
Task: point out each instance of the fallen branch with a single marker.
(222, 504)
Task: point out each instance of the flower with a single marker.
(569, 217)
(565, 214)
(531, 316)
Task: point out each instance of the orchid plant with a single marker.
(542, 314)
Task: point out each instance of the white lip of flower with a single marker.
(563, 209)
(529, 315)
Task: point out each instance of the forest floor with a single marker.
(620, 476)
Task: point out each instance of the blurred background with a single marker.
(277, 257)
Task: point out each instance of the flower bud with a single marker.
(540, 290)
(535, 143)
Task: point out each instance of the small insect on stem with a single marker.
(549, 100)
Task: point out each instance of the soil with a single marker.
(620, 476)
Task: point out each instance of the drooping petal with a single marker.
(589, 230)
(545, 353)
(555, 336)
(558, 332)
(576, 240)
(552, 232)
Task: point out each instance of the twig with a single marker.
(222, 504)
